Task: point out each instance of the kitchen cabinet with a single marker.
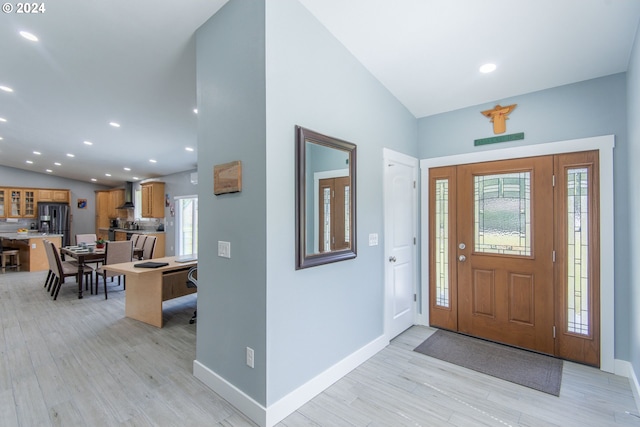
(107, 203)
(152, 200)
(3, 199)
(116, 199)
(102, 210)
(21, 203)
(53, 195)
(121, 235)
(102, 234)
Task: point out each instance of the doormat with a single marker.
(533, 370)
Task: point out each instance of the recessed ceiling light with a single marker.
(49, 170)
(27, 35)
(2, 119)
(30, 162)
(153, 161)
(195, 110)
(1, 138)
(88, 143)
(70, 155)
(6, 88)
(188, 148)
(136, 178)
(93, 179)
(58, 164)
(115, 124)
(127, 169)
(37, 153)
(488, 68)
(107, 174)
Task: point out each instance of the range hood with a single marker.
(128, 196)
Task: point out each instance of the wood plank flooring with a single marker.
(77, 362)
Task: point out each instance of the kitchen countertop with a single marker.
(126, 230)
(30, 235)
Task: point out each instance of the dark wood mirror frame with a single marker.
(303, 258)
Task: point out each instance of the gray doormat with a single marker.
(533, 370)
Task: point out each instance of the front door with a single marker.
(498, 269)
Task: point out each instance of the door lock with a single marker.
(392, 259)
(462, 246)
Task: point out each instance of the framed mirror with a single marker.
(325, 199)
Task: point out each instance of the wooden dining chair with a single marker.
(90, 239)
(85, 238)
(149, 247)
(114, 253)
(62, 269)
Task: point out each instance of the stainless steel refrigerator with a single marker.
(53, 218)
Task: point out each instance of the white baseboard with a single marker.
(625, 369)
(271, 415)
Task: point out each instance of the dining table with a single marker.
(85, 254)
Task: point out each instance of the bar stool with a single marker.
(10, 254)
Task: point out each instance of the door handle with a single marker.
(392, 259)
(462, 258)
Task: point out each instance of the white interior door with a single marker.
(400, 205)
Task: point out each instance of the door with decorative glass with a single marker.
(502, 259)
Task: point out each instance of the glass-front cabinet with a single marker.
(3, 198)
(21, 203)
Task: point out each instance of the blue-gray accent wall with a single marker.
(230, 51)
(299, 323)
(633, 195)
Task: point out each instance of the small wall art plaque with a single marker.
(227, 178)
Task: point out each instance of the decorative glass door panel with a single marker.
(577, 264)
(443, 294)
(502, 208)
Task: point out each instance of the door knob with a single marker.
(392, 259)
(462, 258)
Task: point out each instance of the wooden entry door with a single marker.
(513, 253)
(505, 252)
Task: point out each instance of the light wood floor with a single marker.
(77, 362)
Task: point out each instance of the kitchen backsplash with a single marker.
(10, 225)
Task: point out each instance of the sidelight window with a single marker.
(578, 291)
(442, 242)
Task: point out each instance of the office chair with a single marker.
(192, 282)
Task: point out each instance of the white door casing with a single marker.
(400, 234)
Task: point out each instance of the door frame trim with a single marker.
(387, 156)
(604, 145)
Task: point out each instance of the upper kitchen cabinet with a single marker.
(116, 200)
(3, 199)
(53, 195)
(21, 203)
(152, 199)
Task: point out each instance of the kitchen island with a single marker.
(32, 254)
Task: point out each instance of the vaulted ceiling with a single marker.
(133, 63)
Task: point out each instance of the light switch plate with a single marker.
(373, 239)
(224, 249)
